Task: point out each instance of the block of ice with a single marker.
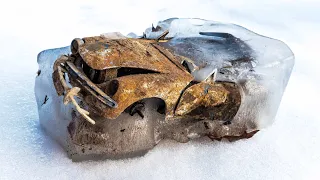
(259, 65)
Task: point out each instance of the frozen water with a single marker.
(261, 65)
(262, 73)
(289, 149)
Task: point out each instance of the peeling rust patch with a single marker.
(201, 94)
(141, 86)
(134, 53)
(245, 135)
(222, 111)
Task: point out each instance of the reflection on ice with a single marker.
(261, 65)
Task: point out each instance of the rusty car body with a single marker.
(115, 75)
(114, 96)
(127, 94)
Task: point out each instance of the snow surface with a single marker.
(289, 149)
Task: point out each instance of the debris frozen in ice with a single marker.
(260, 65)
(243, 73)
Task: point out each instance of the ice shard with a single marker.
(183, 79)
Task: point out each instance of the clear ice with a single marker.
(261, 65)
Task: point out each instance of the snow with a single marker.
(289, 149)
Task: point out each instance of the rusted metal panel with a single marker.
(102, 53)
(85, 82)
(136, 87)
(224, 111)
(162, 76)
(57, 83)
(201, 94)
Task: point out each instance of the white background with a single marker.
(289, 149)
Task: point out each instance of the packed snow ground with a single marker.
(289, 149)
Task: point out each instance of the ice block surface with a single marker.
(261, 65)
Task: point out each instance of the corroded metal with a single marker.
(198, 80)
(155, 73)
(222, 103)
(134, 88)
(96, 91)
(103, 53)
(114, 79)
(201, 94)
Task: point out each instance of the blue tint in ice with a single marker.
(260, 65)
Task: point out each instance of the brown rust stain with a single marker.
(244, 135)
(174, 59)
(102, 53)
(225, 111)
(57, 83)
(201, 94)
(136, 87)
